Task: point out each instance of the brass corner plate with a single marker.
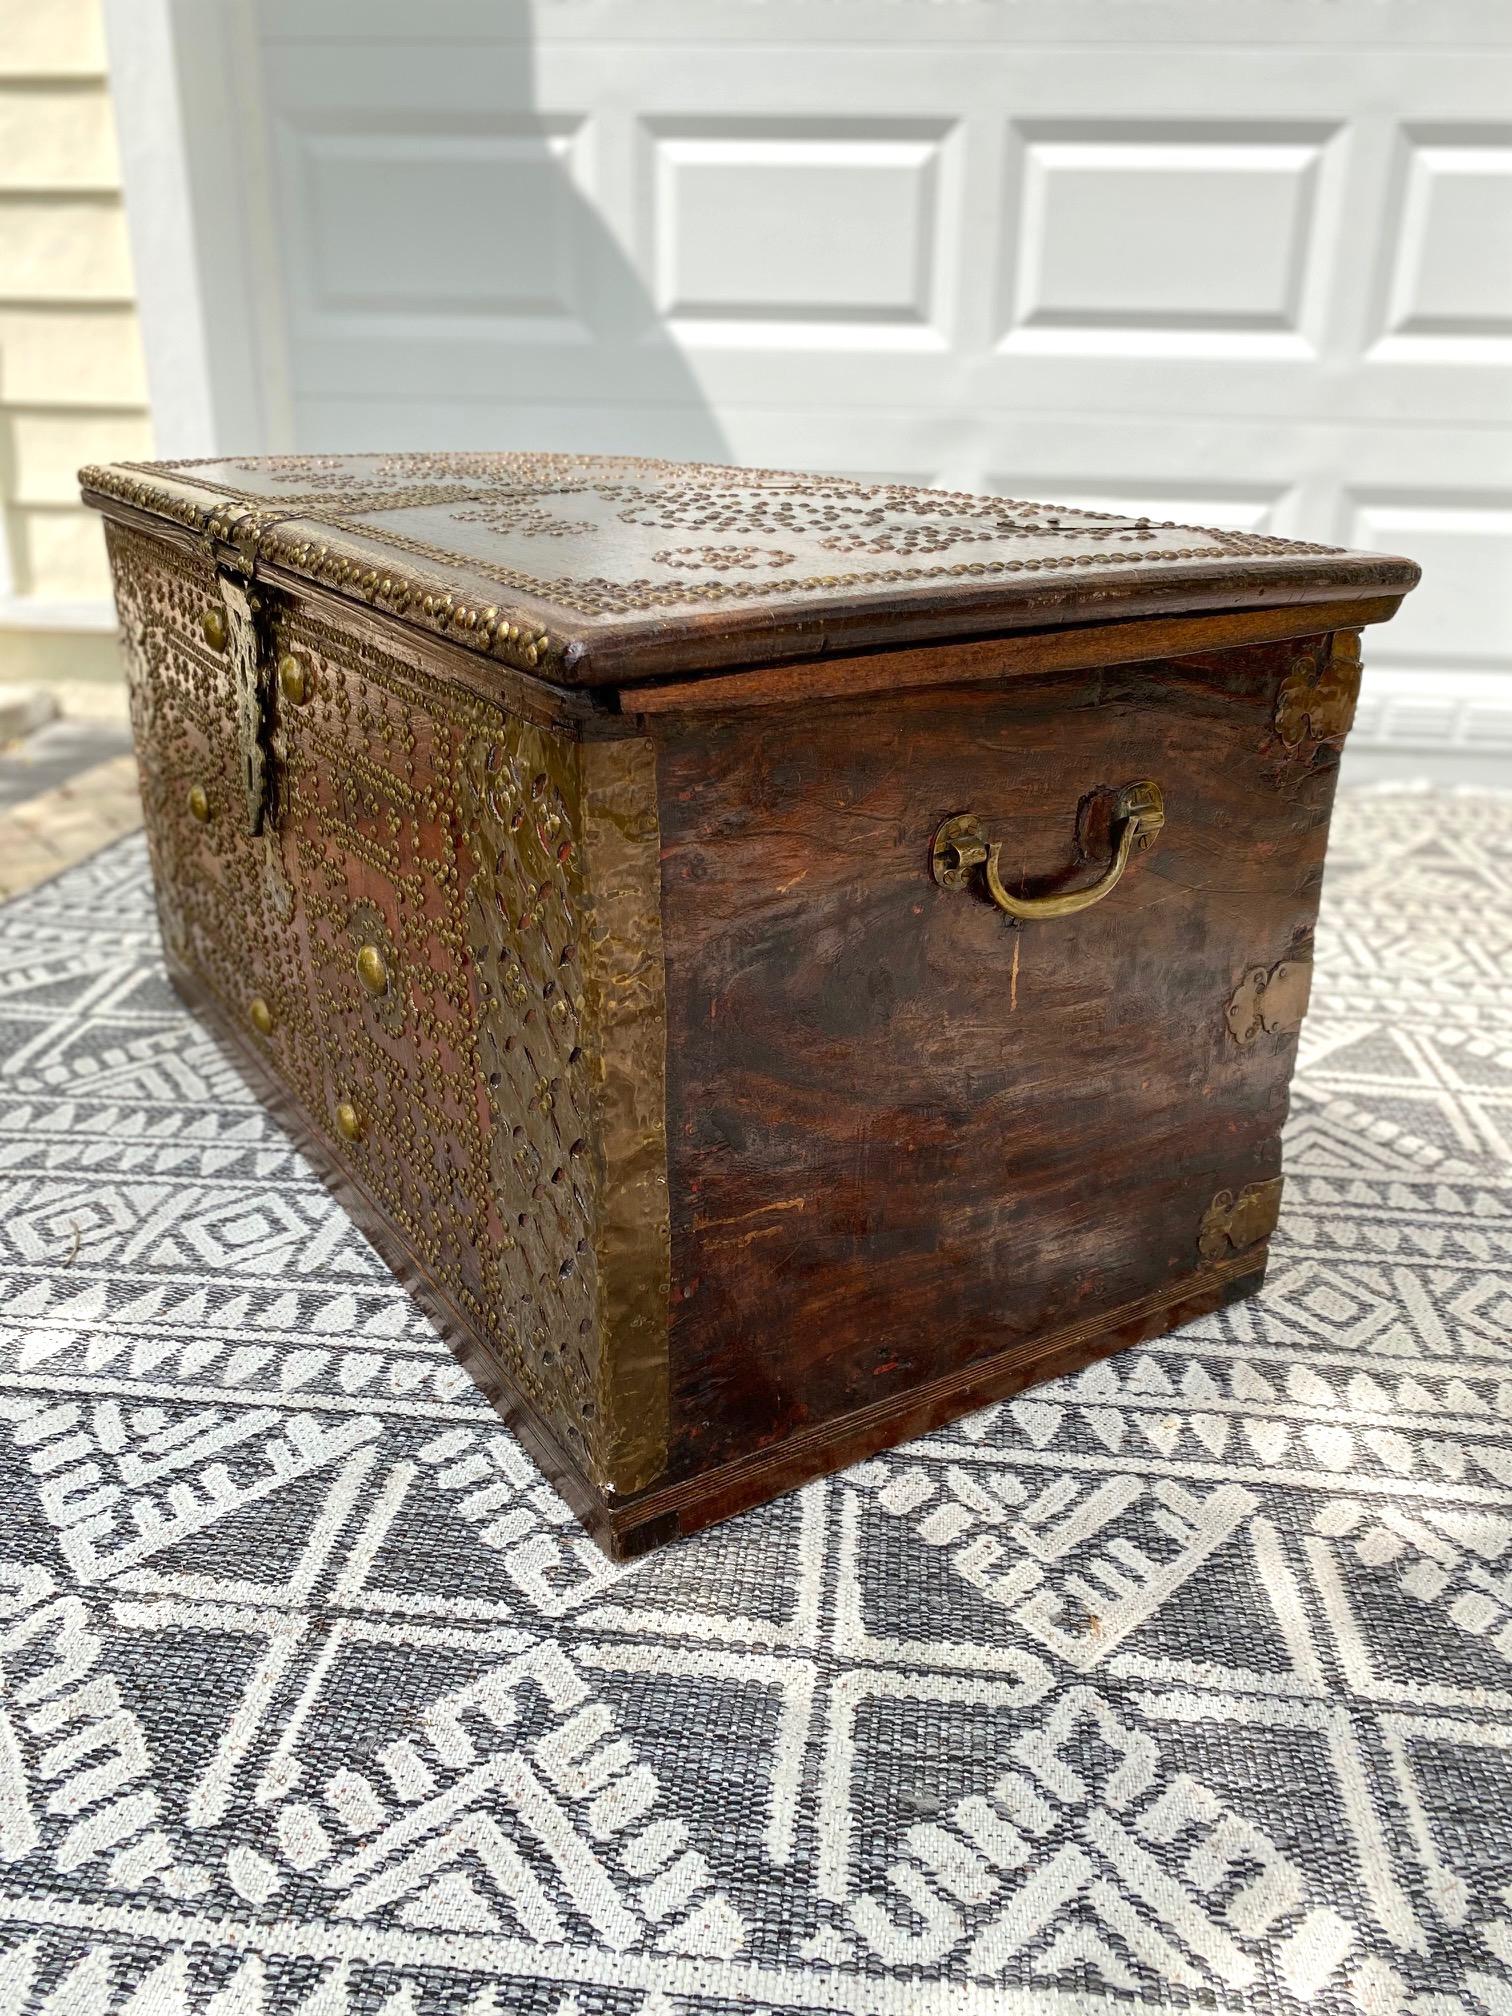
(1233, 1222)
(1273, 999)
(1316, 703)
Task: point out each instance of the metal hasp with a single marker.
(961, 847)
(249, 682)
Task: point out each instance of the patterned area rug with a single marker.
(1185, 1681)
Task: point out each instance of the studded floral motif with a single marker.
(722, 558)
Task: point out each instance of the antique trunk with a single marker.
(775, 962)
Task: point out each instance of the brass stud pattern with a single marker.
(520, 806)
(499, 1209)
(214, 884)
(260, 1015)
(365, 929)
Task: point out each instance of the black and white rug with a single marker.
(1186, 1681)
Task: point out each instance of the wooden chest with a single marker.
(776, 962)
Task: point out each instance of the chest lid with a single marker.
(593, 570)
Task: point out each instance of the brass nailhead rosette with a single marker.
(294, 679)
(375, 967)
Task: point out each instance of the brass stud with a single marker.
(293, 679)
(348, 1121)
(371, 970)
(199, 803)
(260, 1015)
(213, 623)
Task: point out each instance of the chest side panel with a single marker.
(904, 1134)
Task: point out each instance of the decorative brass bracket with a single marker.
(249, 684)
(1317, 699)
(1233, 1223)
(1273, 1000)
(961, 846)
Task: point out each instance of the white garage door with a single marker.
(1250, 264)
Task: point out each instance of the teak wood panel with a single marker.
(905, 1135)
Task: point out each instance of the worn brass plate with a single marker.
(1317, 700)
(1233, 1222)
(1272, 999)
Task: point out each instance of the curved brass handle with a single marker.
(961, 846)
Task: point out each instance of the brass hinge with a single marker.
(1272, 1000)
(1317, 699)
(1232, 1223)
(249, 684)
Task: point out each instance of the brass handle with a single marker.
(961, 846)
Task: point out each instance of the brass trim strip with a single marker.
(624, 986)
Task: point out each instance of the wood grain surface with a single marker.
(905, 1134)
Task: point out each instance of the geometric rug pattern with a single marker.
(1184, 1682)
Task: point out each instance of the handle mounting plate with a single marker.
(959, 846)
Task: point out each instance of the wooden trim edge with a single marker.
(1016, 656)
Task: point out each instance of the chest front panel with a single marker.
(399, 944)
